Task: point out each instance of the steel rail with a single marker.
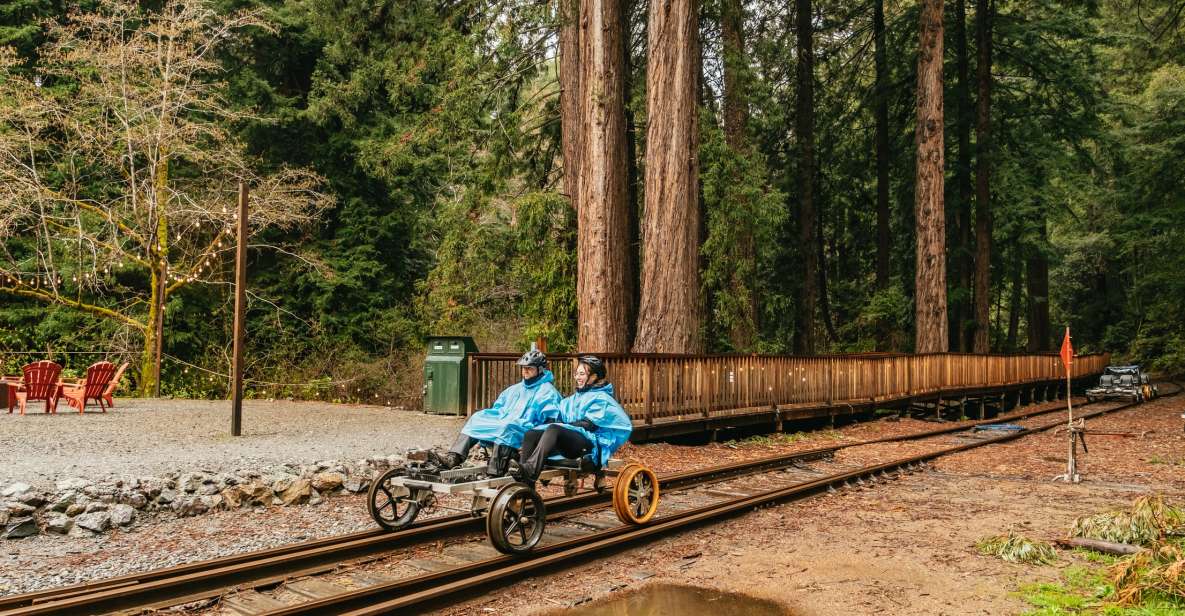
(204, 579)
(418, 591)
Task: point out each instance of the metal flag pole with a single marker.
(1067, 356)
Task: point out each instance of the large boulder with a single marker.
(233, 497)
(20, 510)
(186, 506)
(20, 528)
(75, 509)
(152, 486)
(135, 499)
(253, 493)
(58, 523)
(190, 482)
(32, 498)
(96, 521)
(73, 483)
(166, 497)
(327, 481)
(122, 515)
(63, 500)
(212, 501)
(14, 489)
(297, 492)
(356, 483)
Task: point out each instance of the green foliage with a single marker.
(436, 128)
(742, 215)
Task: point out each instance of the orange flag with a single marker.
(1067, 352)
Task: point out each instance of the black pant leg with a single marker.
(532, 464)
(463, 444)
(571, 443)
(530, 442)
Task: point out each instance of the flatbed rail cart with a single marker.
(514, 511)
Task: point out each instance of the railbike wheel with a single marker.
(392, 506)
(635, 495)
(516, 519)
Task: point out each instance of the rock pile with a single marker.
(79, 507)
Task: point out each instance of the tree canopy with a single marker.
(408, 170)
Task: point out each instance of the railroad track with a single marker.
(370, 571)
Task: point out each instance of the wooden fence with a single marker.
(657, 387)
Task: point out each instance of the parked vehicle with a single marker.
(1123, 382)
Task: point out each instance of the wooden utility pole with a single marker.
(236, 386)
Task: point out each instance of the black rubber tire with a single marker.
(516, 519)
(387, 513)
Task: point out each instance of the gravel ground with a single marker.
(152, 437)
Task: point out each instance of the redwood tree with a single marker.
(732, 33)
(983, 194)
(602, 197)
(961, 255)
(804, 128)
(930, 280)
(669, 310)
(882, 147)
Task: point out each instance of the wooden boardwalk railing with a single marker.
(659, 387)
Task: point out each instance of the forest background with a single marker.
(407, 166)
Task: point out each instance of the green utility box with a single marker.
(446, 374)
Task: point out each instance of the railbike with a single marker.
(514, 511)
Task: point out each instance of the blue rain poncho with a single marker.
(519, 408)
(598, 405)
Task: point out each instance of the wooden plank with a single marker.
(313, 588)
(250, 603)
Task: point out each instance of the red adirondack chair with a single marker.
(98, 377)
(40, 382)
(109, 393)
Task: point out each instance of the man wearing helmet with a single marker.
(591, 422)
(520, 407)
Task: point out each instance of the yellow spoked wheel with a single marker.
(635, 495)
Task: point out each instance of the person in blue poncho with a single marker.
(520, 407)
(591, 422)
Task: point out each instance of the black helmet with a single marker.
(533, 359)
(595, 366)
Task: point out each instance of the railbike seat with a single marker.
(584, 464)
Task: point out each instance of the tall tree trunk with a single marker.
(882, 148)
(669, 311)
(930, 280)
(961, 256)
(732, 21)
(983, 192)
(570, 97)
(603, 269)
(732, 33)
(1037, 275)
(1014, 310)
(804, 127)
